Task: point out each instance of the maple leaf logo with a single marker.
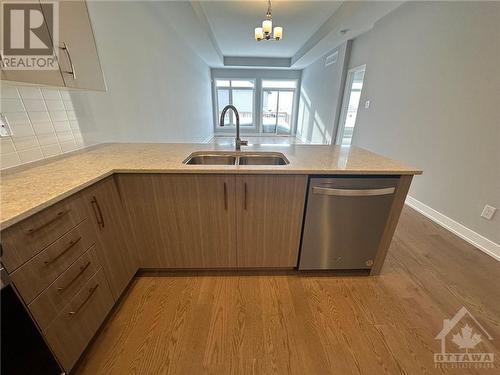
(466, 340)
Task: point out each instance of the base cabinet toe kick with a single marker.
(71, 262)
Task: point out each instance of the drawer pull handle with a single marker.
(91, 293)
(97, 212)
(352, 192)
(245, 197)
(68, 248)
(225, 196)
(58, 216)
(82, 270)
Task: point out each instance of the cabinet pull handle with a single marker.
(68, 248)
(245, 196)
(72, 71)
(97, 212)
(58, 216)
(225, 196)
(352, 192)
(80, 272)
(91, 293)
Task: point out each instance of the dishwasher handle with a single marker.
(352, 192)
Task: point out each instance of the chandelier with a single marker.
(264, 32)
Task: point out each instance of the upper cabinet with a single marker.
(78, 58)
(41, 77)
(72, 38)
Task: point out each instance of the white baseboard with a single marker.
(482, 243)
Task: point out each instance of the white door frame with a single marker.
(345, 102)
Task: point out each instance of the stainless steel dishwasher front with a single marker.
(344, 222)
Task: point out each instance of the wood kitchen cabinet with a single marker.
(117, 252)
(269, 221)
(214, 221)
(182, 221)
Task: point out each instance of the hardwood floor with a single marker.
(286, 323)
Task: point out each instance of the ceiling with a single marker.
(233, 24)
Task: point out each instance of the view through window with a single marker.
(277, 106)
(271, 114)
(239, 93)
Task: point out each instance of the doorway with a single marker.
(350, 104)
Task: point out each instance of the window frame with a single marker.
(232, 123)
(279, 89)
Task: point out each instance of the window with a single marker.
(277, 106)
(350, 103)
(240, 93)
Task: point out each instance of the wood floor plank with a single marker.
(258, 324)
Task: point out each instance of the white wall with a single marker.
(320, 98)
(158, 88)
(432, 77)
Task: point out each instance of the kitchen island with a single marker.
(76, 229)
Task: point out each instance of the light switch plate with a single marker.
(367, 104)
(4, 127)
(488, 212)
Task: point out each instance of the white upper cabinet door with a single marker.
(78, 56)
(40, 77)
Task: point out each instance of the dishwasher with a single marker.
(344, 222)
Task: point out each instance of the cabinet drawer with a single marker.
(24, 240)
(35, 275)
(52, 300)
(71, 331)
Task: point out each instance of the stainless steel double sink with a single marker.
(236, 158)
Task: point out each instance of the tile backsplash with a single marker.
(42, 121)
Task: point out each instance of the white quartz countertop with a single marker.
(27, 190)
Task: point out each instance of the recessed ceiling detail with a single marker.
(233, 23)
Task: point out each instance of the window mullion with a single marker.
(277, 111)
(231, 102)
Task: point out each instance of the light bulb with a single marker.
(267, 26)
(278, 32)
(259, 34)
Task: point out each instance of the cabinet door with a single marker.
(182, 221)
(78, 56)
(41, 77)
(117, 250)
(269, 214)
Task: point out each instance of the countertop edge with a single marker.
(258, 170)
(56, 199)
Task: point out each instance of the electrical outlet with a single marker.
(488, 212)
(367, 104)
(4, 127)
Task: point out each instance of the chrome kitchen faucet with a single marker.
(239, 142)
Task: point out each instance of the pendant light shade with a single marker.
(266, 32)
